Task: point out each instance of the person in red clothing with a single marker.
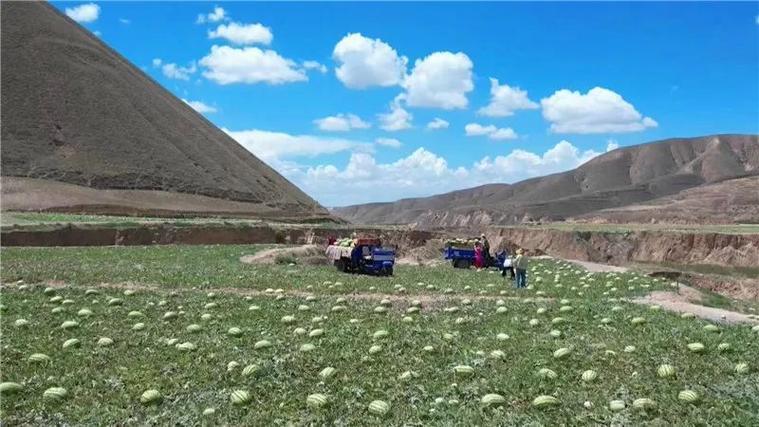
(479, 256)
(331, 240)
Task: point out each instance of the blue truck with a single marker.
(366, 256)
(464, 257)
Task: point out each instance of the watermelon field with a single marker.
(191, 336)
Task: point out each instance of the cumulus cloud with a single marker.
(598, 111)
(397, 119)
(242, 33)
(341, 123)
(314, 65)
(174, 71)
(492, 132)
(364, 62)
(216, 15)
(84, 13)
(200, 106)
(505, 100)
(388, 142)
(275, 146)
(440, 80)
(437, 123)
(424, 173)
(226, 65)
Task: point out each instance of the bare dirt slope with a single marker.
(731, 201)
(623, 177)
(75, 111)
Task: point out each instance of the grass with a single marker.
(459, 321)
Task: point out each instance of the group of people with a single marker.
(515, 266)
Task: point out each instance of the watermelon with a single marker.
(380, 309)
(380, 334)
(589, 375)
(534, 322)
(407, 319)
(565, 308)
(638, 320)
(375, 349)
(723, 347)
(303, 307)
(84, 312)
(545, 401)
(316, 400)
(208, 412)
(463, 370)
(687, 315)
(69, 324)
(169, 315)
(629, 349)
(741, 368)
(493, 399)
(555, 333)
(249, 370)
(186, 346)
(73, 342)
(561, 353)
(231, 366)
(210, 305)
(10, 388)
(21, 322)
(138, 326)
(711, 328)
(254, 308)
(696, 347)
(39, 358)
(54, 393)
(617, 405)
(307, 347)
(688, 396)
(194, 328)
(104, 342)
(261, 344)
(239, 397)
(541, 310)
(547, 374)
(665, 371)
(150, 396)
(501, 310)
(327, 372)
(234, 332)
(338, 308)
(502, 337)
(558, 320)
(135, 314)
(379, 407)
(643, 403)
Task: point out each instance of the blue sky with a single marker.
(358, 102)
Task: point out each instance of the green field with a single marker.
(467, 318)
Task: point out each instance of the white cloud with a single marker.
(341, 123)
(199, 106)
(174, 71)
(84, 13)
(275, 146)
(125, 21)
(757, 19)
(611, 145)
(521, 164)
(364, 62)
(476, 129)
(505, 100)
(242, 33)
(388, 142)
(397, 119)
(599, 111)
(441, 80)
(437, 123)
(226, 65)
(314, 65)
(218, 14)
(424, 173)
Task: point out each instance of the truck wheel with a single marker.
(465, 263)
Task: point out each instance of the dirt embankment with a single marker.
(735, 250)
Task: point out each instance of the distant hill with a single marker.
(622, 177)
(76, 112)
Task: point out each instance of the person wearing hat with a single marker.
(520, 268)
(485, 249)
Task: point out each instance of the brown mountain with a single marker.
(623, 177)
(76, 112)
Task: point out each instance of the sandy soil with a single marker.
(683, 303)
(269, 256)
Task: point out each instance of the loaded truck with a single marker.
(362, 255)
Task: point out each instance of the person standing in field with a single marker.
(508, 266)
(485, 250)
(479, 260)
(520, 268)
